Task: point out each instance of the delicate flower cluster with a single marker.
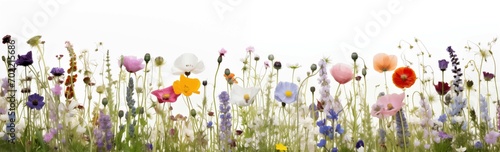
(456, 70)
(225, 123)
(103, 133)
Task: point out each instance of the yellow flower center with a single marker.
(288, 93)
(246, 97)
(404, 77)
(390, 107)
(165, 96)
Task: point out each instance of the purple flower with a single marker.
(103, 134)
(286, 92)
(491, 137)
(56, 71)
(443, 135)
(442, 118)
(360, 144)
(488, 76)
(57, 89)
(35, 101)
(321, 143)
(402, 128)
(25, 60)
(210, 124)
(443, 64)
(334, 149)
(5, 84)
(332, 115)
(222, 52)
(132, 64)
(225, 123)
(478, 145)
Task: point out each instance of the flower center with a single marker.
(186, 89)
(35, 102)
(404, 77)
(288, 93)
(165, 96)
(246, 97)
(390, 107)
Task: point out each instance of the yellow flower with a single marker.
(281, 147)
(186, 86)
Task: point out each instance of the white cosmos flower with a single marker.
(187, 62)
(243, 96)
(461, 149)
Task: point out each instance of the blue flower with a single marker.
(335, 149)
(332, 115)
(478, 145)
(339, 129)
(35, 101)
(321, 143)
(210, 124)
(442, 118)
(286, 92)
(321, 122)
(56, 71)
(24, 60)
(360, 144)
(325, 130)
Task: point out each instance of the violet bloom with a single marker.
(360, 144)
(56, 90)
(25, 60)
(443, 64)
(443, 135)
(286, 92)
(56, 71)
(491, 137)
(132, 64)
(35, 101)
(488, 76)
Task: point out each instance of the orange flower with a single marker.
(383, 62)
(186, 86)
(230, 78)
(404, 77)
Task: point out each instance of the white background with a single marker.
(294, 31)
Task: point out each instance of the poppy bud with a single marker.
(354, 56)
(204, 82)
(270, 57)
(470, 83)
(227, 72)
(313, 89)
(277, 65)
(256, 58)
(147, 58)
(219, 60)
(104, 101)
(314, 67)
(100, 89)
(363, 71)
(120, 113)
(192, 112)
(159, 61)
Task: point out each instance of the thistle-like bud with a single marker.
(104, 101)
(277, 65)
(120, 113)
(227, 71)
(192, 112)
(270, 57)
(219, 60)
(313, 89)
(159, 61)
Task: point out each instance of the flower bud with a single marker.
(363, 72)
(314, 67)
(120, 113)
(204, 82)
(227, 72)
(277, 65)
(192, 112)
(270, 57)
(313, 89)
(219, 60)
(159, 61)
(354, 56)
(104, 101)
(256, 58)
(147, 58)
(211, 113)
(470, 83)
(100, 89)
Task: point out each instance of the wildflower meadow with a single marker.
(125, 103)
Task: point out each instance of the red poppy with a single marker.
(404, 77)
(442, 88)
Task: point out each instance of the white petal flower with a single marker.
(4, 117)
(458, 119)
(243, 96)
(360, 149)
(461, 149)
(187, 62)
(80, 130)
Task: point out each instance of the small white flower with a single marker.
(458, 119)
(243, 96)
(416, 143)
(461, 149)
(360, 149)
(4, 117)
(187, 62)
(80, 130)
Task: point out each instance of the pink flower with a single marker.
(266, 64)
(132, 63)
(388, 105)
(222, 52)
(342, 73)
(57, 89)
(491, 137)
(250, 49)
(165, 95)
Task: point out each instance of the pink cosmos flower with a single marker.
(165, 95)
(491, 137)
(388, 105)
(342, 73)
(57, 89)
(132, 63)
